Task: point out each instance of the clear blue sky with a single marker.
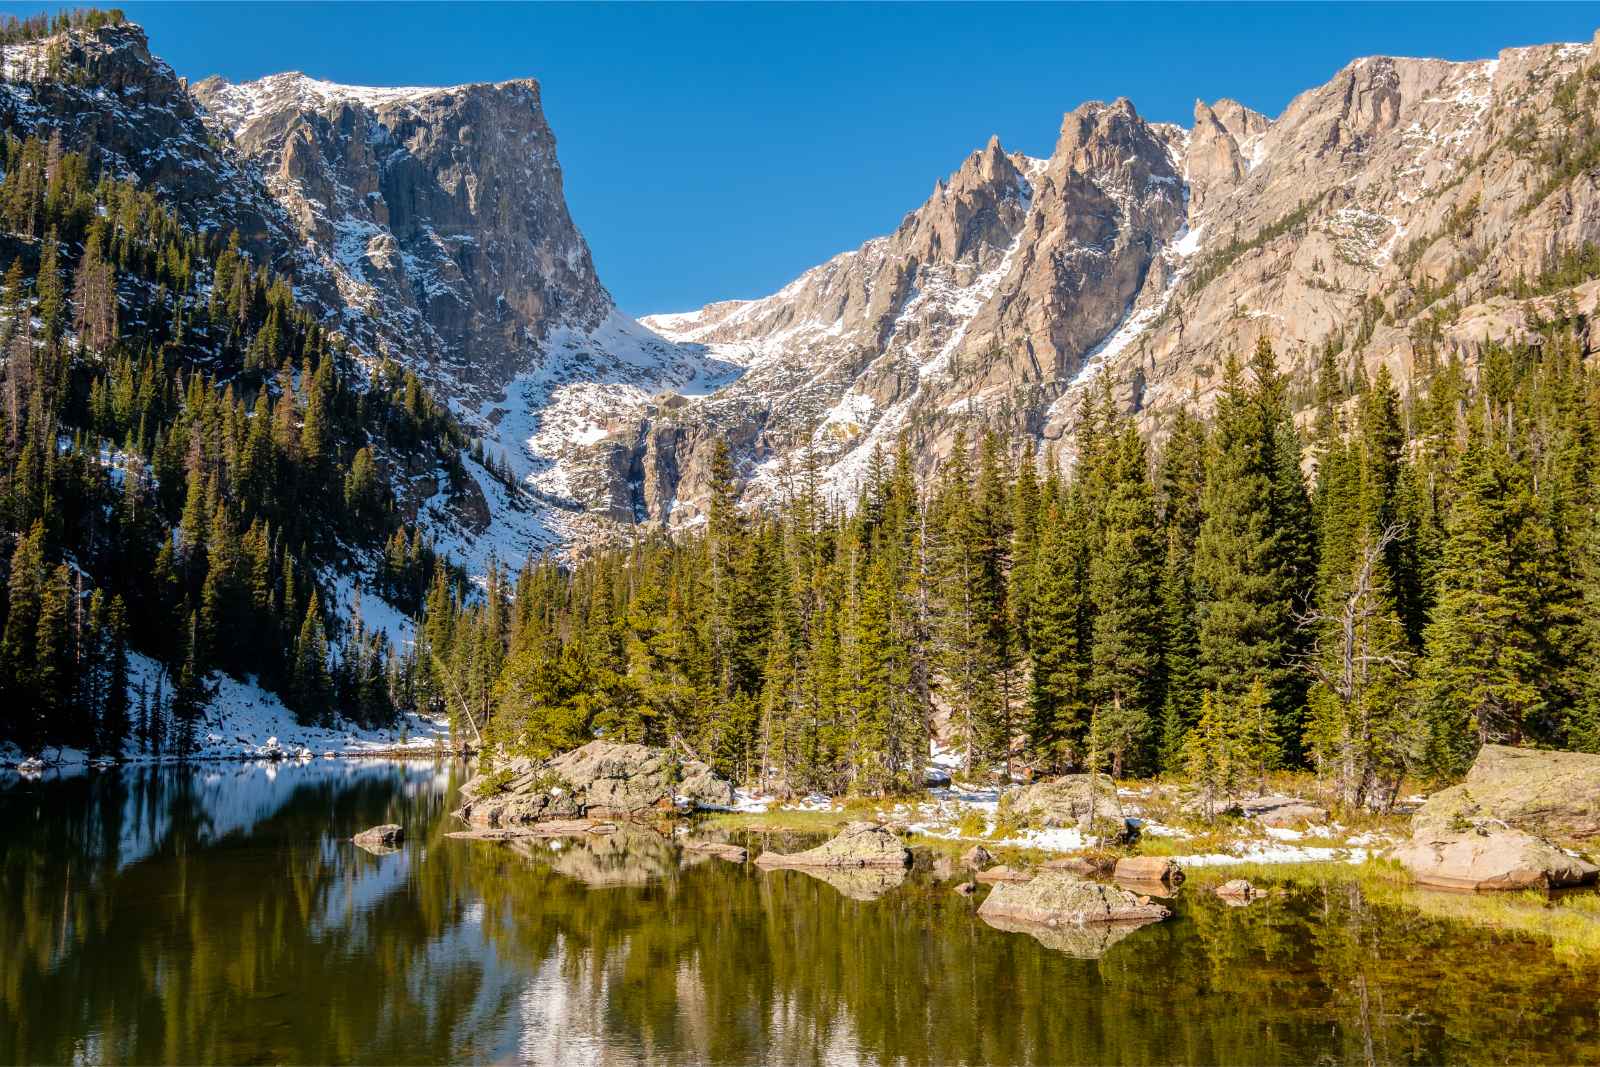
(716, 151)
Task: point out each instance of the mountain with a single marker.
(436, 220)
(988, 294)
(1405, 211)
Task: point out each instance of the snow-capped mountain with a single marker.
(1389, 214)
(436, 220)
(1138, 253)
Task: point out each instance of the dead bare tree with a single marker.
(1360, 659)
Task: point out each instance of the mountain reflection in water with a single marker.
(219, 913)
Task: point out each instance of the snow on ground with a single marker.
(376, 613)
(245, 721)
(519, 526)
(1275, 854)
(550, 424)
(756, 802)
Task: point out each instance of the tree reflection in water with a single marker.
(220, 914)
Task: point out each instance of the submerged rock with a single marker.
(601, 779)
(381, 839)
(1057, 898)
(549, 828)
(858, 883)
(1088, 942)
(1238, 891)
(1550, 794)
(722, 850)
(1002, 873)
(632, 855)
(859, 844)
(1065, 801)
(1083, 865)
(1490, 858)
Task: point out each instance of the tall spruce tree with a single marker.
(1125, 583)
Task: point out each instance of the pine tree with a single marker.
(1477, 678)
(1181, 487)
(1210, 754)
(1058, 642)
(1244, 592)
(1125, 581)
(309, 683)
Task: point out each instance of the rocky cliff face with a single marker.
(1388, 214)
(436, 214)
(102, 91)
(1393, 215)
(985, 302)
(434, 221)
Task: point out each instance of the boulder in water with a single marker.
(381, 839)
(859, 844)
(977, 857)
(1238, 891)
(1148, 869)
(1486, 857)
(1002, 873)
(1057, 898)
(722, 850)
(602, 779)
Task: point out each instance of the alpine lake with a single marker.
(219, 913)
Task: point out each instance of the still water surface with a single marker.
(219, 914)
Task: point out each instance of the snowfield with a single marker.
(245, 721)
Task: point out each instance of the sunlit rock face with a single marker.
(1141, 256)
(438, 214)
(1387, 215)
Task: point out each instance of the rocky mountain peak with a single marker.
(1097, 137)
(102, 91)
(437, 213)
(974, 214)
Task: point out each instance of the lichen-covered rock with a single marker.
(1057, 898)
(859, 844)
(976, 857)
(1490, 858)
(1282, 811)
(1065, 801)
(1549, 794)
(600, 780)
